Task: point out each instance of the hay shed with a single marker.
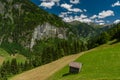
(75, 67)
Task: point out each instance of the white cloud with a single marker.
(55, 0)
(86, 20)
(64, 14)
(75, 10)
(117, 21)
(66, 6)
(50, 1)
(81, 18)
(75, 1)
(47, 4)
(105, 14)
(116, 4)
(68, 19)
(69, 12)
(93, 17)
(69, 8)
(99, 21)
(84, 10)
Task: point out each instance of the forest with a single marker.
(52, 49)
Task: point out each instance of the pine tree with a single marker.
(14, 66)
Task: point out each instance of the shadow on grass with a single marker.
(67, 74)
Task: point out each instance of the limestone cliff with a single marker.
(47, 30)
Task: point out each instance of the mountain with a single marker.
(25, 28)
(22, 23)
(85, 30)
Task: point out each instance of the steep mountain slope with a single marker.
(85, 30)
(22, 23)
(88, 30)
(28, 30)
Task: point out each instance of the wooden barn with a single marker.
(75, 67)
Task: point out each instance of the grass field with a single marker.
(98, 64)
(43, 72)
(6, 56)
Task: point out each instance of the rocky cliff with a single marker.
(23, 23)
(47, 30)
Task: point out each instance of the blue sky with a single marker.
(97, 11)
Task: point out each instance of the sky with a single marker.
(95, 11)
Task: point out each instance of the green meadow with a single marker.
(99, 63)
(5, 56)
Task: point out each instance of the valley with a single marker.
(35, 41)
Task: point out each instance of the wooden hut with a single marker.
(75, 67)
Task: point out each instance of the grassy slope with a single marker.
(5, 56)
(100, 63)
(43, 72)
(2, 54)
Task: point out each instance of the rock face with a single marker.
(45, 31)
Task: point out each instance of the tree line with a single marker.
(104, 37)
(46, 51)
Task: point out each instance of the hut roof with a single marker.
(75, 64)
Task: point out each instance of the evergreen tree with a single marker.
(14, 66)
(104, 38)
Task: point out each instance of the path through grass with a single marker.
(102, 63)
(45, 71)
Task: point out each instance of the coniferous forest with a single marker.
(53, 49)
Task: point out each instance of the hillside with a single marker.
(24, 27)
(5, 56)
(100, 63)
(84, 30)
(22, 23)
(43, 72)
